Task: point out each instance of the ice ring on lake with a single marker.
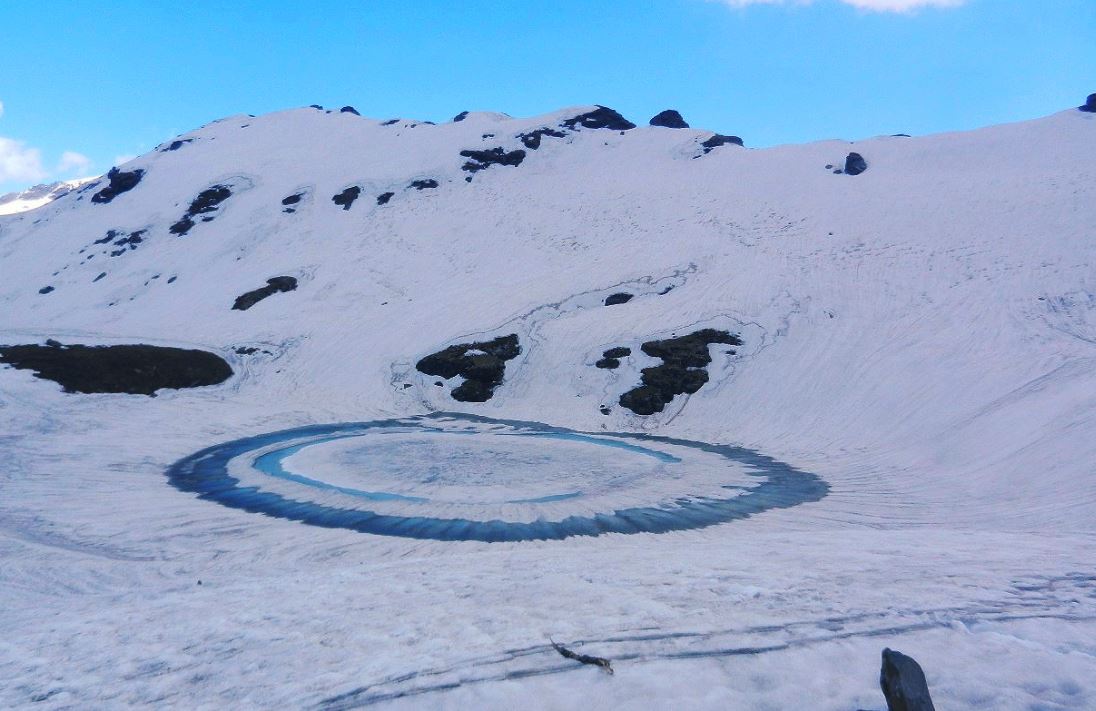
(456, 477)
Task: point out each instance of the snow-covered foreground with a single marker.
(920, 336)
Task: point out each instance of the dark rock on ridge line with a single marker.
(668, 119)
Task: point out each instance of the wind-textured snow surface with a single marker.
(921, 337)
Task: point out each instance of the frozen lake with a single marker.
(457, 477)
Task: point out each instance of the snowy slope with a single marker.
(922, 336)
(37, 196)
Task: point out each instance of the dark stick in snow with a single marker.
(584, 658)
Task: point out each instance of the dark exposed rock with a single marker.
(383, 198)
(273, 286)
(131, 241)
(617, 352)
(292, 199)
(315, 106)
(903, 683)
(45, 290)
(718, 140)
(460, 117)
(119, 182)
(349, 110)
(176, 145)
(604, 410)
(137, 369)
(669, 119)
(684, 360)
(1090, 104)
(531, 140)
(182, 226)
(607, 363)
(101, 275)
(347, 197)
(601, 117)
(207, 201)
(493, 156)
(621, 297)
(246, 350)
(111, 234)
(389, 122)
(482, 366)
(855, 164)
(423, 184)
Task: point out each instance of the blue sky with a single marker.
(83, 84)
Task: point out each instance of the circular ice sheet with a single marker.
(463, 477)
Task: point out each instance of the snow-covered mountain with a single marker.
(38, 195)
(911, 320)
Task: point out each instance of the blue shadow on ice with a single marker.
(206, 473)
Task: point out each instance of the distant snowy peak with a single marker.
(38, 195)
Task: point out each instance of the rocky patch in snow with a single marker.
(718, 140)
(460, 117)
(531, 140)
(423, 184)
(349, 110)
(273, 286)
(137, 369)
(347, 197)
(177, 144)
(383, 198)
(601, 117)
(119, 182)
(478, 160)
(610, 359)
(126, 242)
(118, 243)
(620, 297)
(1090, 104)
(855, 164)
(290, 200)
(668, 119)
(683, 369)
(482, 366)
(206, 202)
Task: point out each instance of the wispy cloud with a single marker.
(1, 109)
(20, 162)
(870, 5)
(73, 162)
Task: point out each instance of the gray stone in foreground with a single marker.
(903, 683)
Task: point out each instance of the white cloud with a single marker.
(870, 5)
(19, 162)
(73, 162)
